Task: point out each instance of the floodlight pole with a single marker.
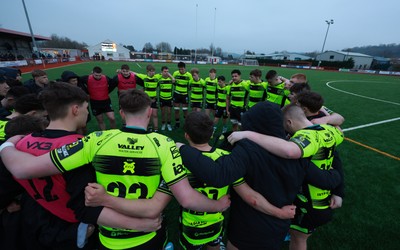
(326, 35)
(195, 49)
(35, 47)
(213, 47)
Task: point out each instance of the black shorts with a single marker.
(101, 107)
(307, 219)
(154, 104)
(196, 105)
(221, 112)
(210, 106)
(178, 98)
(165, 103)
(236, 113)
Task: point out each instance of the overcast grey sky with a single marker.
(262, 26)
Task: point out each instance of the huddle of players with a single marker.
(179, 96)
(214, 94)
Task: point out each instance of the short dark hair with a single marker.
(236, 71)
(181, 65)
(38, 72)
(298, 88)
(199, 127)
(13, 82)
(150, 68)
(17, 91)
(125, 66)
(58, 96)
(194, 70)
(212, 70)
(256, 73)
(164, 67)
(25, 124)
(27, 103)
(221, 78)
(97, 70)
(311, 100)
(134, 101)
(271, 74)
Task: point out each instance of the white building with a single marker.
(288, 56)
(280, 56)
(110, 50)
(361, 61)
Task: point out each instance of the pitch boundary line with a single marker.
(350, 93)
(371, 124)
(373, 149)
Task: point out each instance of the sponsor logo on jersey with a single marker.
(129, 166)
(132, 140)
(69, 149)
(39, 145)
(178, 169)
(156, 142)
(131, 145)
(197, 223)
(175, 152)
(302, 141)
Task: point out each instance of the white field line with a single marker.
(138, 65)
(370, 124)
(350, 93)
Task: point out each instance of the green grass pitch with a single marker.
(369, 216)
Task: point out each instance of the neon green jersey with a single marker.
(129, 163)
(238, 93)
(196, 90)
(199, 227)
(222, 93)
(257, 93)
(319, 142)
(278, 94)
(3, 124)
(211, 89)
(150, 84)
(182, 82)
(166, 87)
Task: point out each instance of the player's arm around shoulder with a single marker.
(80, 152)
(24, 165)
(258, 202)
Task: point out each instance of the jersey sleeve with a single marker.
(329, 111)
(172, 169)
(339, 137)
(222, 172)
(306, 142)
(238, 182)
(76, 154)
(163, 187)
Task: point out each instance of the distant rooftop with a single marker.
(351, 53)
(22, 34)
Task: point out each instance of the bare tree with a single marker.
(164, 47)
(148, 47)
(62, 42)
